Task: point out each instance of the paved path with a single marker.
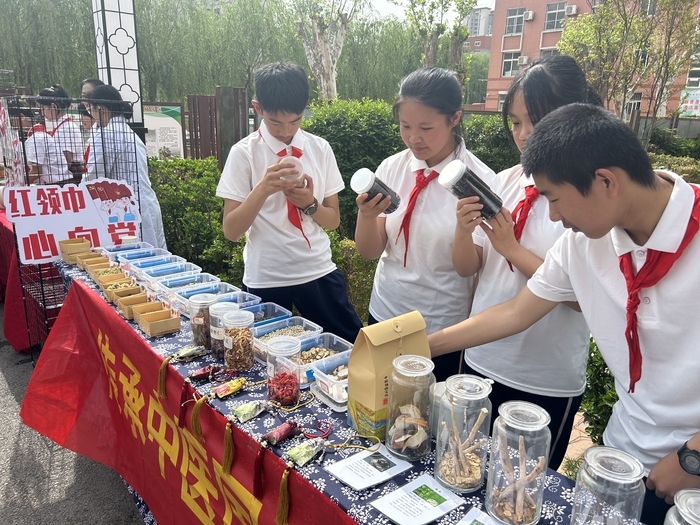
(40, 482)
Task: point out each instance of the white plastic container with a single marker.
(112, 251)
(138, 266)
(242, 299)
(267, 331)
(166, 287)
(220, 290)
(298, 165)
(266, 313)
(335, 389)
(327, 341)
(125, 258)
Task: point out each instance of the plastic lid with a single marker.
(467, 386)
(362, 180)
(688, 505)
(413, 365)
(238, 319)
(283, 345)
(219, 309)
(298, 165)
(524, 415)
(451, 173)
(613, 465)
(203, 299)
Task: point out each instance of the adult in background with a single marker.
(116, 152)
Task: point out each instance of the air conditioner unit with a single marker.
(528, 15)
(571, 10)
(522, 60)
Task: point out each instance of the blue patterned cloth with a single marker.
(558, 494)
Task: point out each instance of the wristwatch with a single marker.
(689, 459)
(311, 208)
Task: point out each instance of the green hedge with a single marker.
(486, 138)
(362, 134)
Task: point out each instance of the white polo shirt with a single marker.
(69, 138)
(550, 357)
(664, 410)
(428, 283)
(42, 149)
(276, 254)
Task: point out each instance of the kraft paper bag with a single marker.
(370, 366)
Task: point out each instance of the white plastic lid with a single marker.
(688, 505)
(283, 345)
(219, 309)
(298, 165)
(362, 180)
(203, 299)
(129, 239)
(451, 173)
(413, 365)
(466, 386)
(524, 415)
(613, 465)
(238, 319)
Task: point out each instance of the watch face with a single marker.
(691, 462)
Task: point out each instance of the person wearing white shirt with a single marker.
(54, 102)
(414, 243)
(629, 258)
(115, 152)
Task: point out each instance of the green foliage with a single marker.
(477, 70)
(687, 167)
(486, 138)
(362, 134)
(570, 466)
(192, 215)
(665, 142)
(600, 395)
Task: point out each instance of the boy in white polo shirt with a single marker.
(287, 255)
(630, 260)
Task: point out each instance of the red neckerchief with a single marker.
(521, 212)
(294, 213)
(54, 130)
(655, 267)
(36, 128)
(421, 182)
(86, 156)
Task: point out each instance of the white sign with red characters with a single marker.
(102, 211)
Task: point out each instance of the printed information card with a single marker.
(477, 517)
(419, 502)
(365, 469)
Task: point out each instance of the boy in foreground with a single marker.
(287, 255)
(630, 259)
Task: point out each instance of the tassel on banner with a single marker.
(161, 377)
(195, 423)
(258, 472)
(183, 401)
(228, 448)
(283, 501)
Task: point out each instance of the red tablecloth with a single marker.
(94, 391)
(15, 321)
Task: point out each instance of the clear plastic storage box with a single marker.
(112, 251)
(168, 286)
(242, 299)
(334, 389)
(292, 326)
(125, 259)
(136, 267)
(266, 313)
(181, 299)
(325, 341)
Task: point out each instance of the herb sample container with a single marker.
(238, 340)
(364, 181)
(686, 510)
(609, 488)
(463, 182)
(518, 463)
(408, 431)
(217, 327)
(200, 318)
(283, 379)
(462, 433)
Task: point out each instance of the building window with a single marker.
(634, 103)
(501, 101)
(548, 52)
(514, 21)
(477, 43)
(555, 15)
(694, 75)
(465, 46)
(510, 64)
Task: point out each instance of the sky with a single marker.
(386, 8)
